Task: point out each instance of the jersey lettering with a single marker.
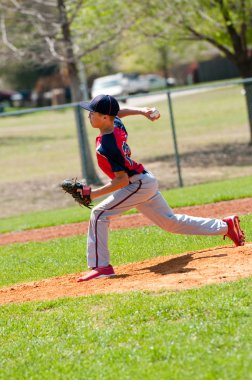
(127, 152)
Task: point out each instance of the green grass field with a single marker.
(202, 334)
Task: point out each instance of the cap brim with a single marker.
(86, 106)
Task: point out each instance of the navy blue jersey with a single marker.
(114, 154)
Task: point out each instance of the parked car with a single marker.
(136, 83)
(114, 85)
(10, 97)
(17, 99)
(5, 96)
(119, 85)
(155, 82)
(171, 82)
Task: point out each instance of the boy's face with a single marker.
(96, 119)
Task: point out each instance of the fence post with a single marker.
(174, 140)
(248, 93)
(87, 166)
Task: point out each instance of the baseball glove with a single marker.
(79, 191)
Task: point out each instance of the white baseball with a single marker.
(155, 114)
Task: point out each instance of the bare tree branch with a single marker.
(19, 53)
(51, 44)
(27, 12)
(46, 17)
(43, 2)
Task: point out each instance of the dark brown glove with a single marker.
(79, 191)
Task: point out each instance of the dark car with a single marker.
(13, 98)
(5, 96)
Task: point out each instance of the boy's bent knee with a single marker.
(98, 213)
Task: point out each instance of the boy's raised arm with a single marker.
(151, 113)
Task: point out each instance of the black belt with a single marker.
(143, 172)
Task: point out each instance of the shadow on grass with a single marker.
(239, 154)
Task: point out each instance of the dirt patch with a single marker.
(180, 272)
(33, 195)
(220, 209)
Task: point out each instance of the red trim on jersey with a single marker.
(123, 156)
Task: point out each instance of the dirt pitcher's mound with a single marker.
(184, 271)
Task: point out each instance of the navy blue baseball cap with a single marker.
(105, 104)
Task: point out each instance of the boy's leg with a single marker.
(117, 203)
(157, 210)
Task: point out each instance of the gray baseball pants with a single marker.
(141, 193)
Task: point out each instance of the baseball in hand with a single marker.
(155, 114)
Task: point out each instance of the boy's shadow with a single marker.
(177, 264)
(172, 265)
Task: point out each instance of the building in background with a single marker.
(214, 69)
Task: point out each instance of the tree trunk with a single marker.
(163, 51)
(88, 169)
(248, 94)
(75, 85)
(69, 53)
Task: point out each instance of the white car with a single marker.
(114, 85)
(119, 85)
(136, 83)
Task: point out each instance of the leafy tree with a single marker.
(224, 24)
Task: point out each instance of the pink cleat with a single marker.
(234, 230)
(99, 272)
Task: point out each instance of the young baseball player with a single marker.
(131, 185)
